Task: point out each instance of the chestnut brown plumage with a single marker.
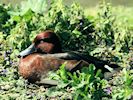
(36, 66)
(47, 42)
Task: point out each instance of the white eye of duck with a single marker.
(41, 41)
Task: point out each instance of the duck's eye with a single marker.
(43, 40)
(39, 41)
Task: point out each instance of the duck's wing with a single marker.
(78, 56)
(73, 56)
(66, 56)
(100, 64)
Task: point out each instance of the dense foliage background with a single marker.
(107, 35)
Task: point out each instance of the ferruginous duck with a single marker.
(45, 54)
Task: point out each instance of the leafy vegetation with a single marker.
(106, 36)
(81, 85)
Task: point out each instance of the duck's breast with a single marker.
(31, 67)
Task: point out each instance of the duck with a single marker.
(45, 54)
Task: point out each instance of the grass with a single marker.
(17, 32)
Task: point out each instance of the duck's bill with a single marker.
(28, 51)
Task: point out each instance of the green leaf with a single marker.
(91, 69)
(63, 73)
(76, 33)
(37, 6)
(27, 16)
(99, 73)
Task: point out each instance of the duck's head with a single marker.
(44, 42)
